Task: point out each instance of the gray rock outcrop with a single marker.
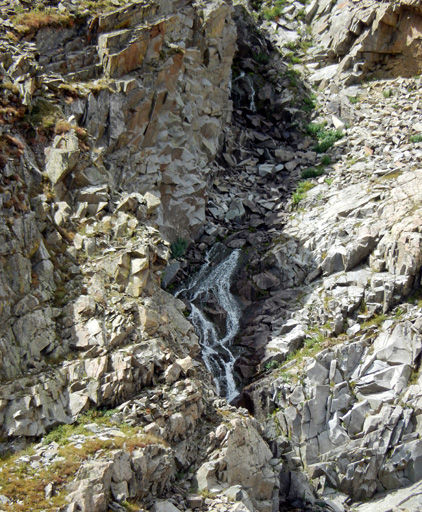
(130, 125)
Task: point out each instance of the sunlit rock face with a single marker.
(150, 83)
(370, 38)
(118, 136)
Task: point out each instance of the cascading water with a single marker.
(250, 83)
(212, 283)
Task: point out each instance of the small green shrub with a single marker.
(273, 12)
(376, 321)
(297, 198)
(261, 58)
(416, 138)
(325, 145)
(309, 103)
(315, 129)
(59, 435)
(326, 137)
(311, 173)
(314, 342)
(353, 99)
(292, 58)
(310, 348)
(305, 186)
(178, 248)
(293, 76)
(292, 45)
(300, 192)
(257, 4)
(272, 365)
(328, 142)
(387, 93)
(306, 43)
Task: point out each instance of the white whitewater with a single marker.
(252, 105)
(216, 349)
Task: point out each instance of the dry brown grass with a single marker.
(81, 133)
(31, 22)
(62, 126)
(21, 207)
(69, 89)
(142, 441)
(23, 484)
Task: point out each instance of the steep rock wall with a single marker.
(157, 111)
(368, 38)
(151, 123)
(111, 126)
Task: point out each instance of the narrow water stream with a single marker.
(249, 81)
(209, 290)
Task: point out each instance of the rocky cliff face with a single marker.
(149, 83)
(49, 299)
(364, 39)
(126, 126)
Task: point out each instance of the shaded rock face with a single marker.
(347, 398)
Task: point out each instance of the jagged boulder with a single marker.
(241, 458)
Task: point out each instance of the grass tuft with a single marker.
(31, 22)
(416, 138)
(326, 137)
(178, 248)
(300, 192)
(274, 12)
(261, 58)
(312, 173)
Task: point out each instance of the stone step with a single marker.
(88, 73)
(74, 62)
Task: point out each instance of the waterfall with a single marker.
(252, 105)
(212, 284)
(249, 81)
